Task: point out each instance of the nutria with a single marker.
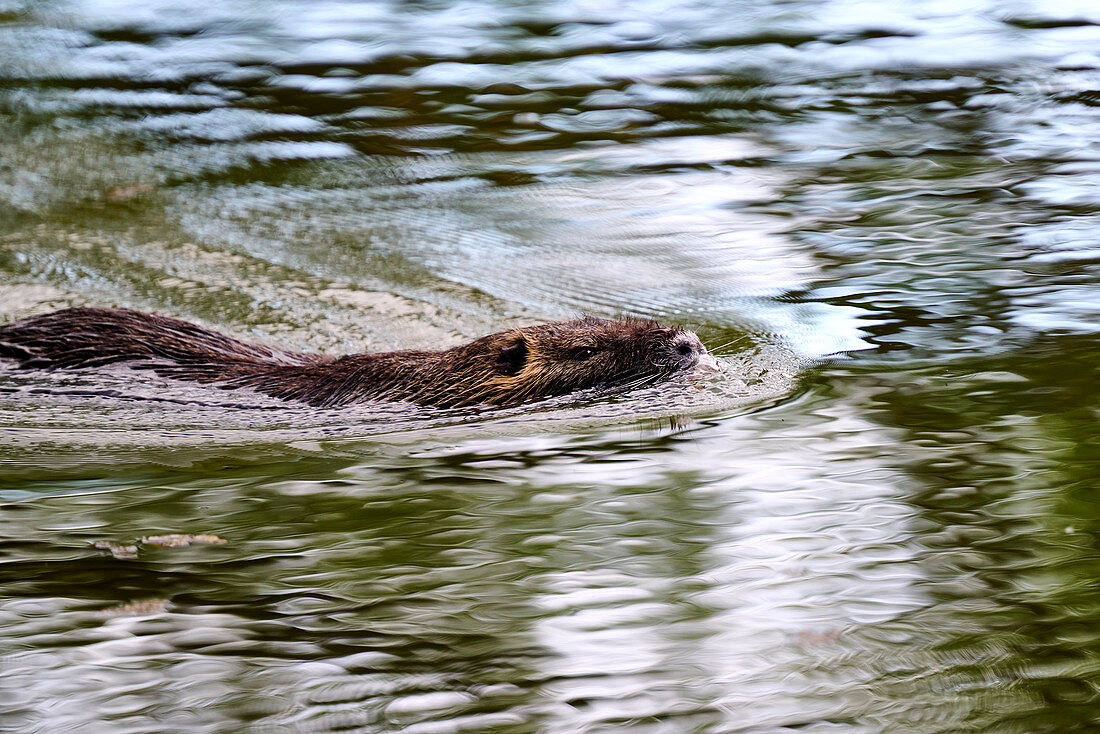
(505, 369)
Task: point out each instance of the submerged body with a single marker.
(506, 368)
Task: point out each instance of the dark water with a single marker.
(881, 518)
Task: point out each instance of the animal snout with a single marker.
(707, 363)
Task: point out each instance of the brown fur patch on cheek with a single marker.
(513, 388)
(527, 383)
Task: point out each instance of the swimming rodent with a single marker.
(506, 368)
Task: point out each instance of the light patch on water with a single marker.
(1070, 309)
(625, 245)
(226, 125)
(779, 580)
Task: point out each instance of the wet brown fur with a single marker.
(506, 368)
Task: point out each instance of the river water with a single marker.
(881, 517)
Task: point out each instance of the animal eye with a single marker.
(583, 352)
(684, 349)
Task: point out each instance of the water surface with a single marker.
(880, 518)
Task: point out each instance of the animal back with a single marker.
(91, 337)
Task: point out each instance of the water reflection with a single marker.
(600, 598)
(897, 537)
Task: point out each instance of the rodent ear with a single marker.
(511, 357)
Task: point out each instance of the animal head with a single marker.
(554, 359)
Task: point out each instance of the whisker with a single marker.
(730, 343)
